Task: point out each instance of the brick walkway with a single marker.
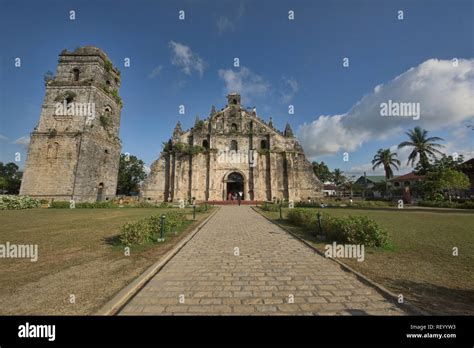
(273, 269)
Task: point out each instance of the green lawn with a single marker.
(78, 255)
(421, 265)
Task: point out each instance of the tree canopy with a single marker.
(131, 174)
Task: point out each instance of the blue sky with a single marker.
(282, 62)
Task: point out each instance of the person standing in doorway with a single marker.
(239, 197)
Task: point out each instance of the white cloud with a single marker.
(225, 24)
(445, 94)
(146, 169)
(155, 72)
(22, 141)
(245, 82)
(184, 58)
(289, 89)
(3, 138)
(229, 23)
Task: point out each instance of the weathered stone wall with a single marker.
(280, 170)
(71, 155)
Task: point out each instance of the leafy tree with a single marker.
(321, 170)
(10, 181)
(445, 179)
(444, 162)
(423, 147)
(131, 173)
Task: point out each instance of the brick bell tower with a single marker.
(74, 151)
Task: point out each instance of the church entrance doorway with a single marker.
(235, 184)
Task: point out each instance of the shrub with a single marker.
(142, 204)
(18, 202)
(351, 229)
(202, 208)
(60, 205)
(356, 230)
(148, 229)
(135, 233)
(270, 206)
(83, 205)
(302, 217)
(447, 204)
(91, 205)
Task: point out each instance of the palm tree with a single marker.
(337, 177)
(386, 158)
(423, 147)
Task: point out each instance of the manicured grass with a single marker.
(420, 264)
(78, 255)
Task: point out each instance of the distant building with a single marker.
(371, 180)
(329, 189)
(406, 180)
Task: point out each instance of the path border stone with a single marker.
(389, 295)
(120, 300)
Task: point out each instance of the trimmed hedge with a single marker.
(355, 204)
(12, 202)
(447, 204)
(351, 229)
(147, 230)
(83, 205)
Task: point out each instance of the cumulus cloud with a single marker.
(245, 82)
(22, 141)
(289, 89)
(155, 72)
(445, 94)
(184, 58)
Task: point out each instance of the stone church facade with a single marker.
(231, 151)
(74, 150)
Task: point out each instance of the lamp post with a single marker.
(320, 226)
(162, 227)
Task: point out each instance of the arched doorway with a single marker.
(234, 184)
(100, 192)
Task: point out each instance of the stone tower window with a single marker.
(205, 144)
(233, 127)
(76, 74)
(69, 98)
(53, 150)
(233, 145)
(263, 145)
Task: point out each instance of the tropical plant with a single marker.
(321, 170)
(423, 146)
(386, 159)
(337, 177)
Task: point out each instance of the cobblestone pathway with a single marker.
(272, 270)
